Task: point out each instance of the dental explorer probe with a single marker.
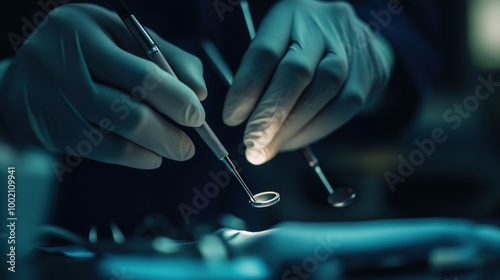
(153, 52)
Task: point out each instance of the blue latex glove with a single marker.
(311, 67)
(81, 85)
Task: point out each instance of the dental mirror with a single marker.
(265, 199)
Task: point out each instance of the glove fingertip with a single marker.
(187, 150)
(256, 157)
(156, 163)
(152, 161)
(202, 94)
(200, 89)
(193, 114)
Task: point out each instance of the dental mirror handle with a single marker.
(208, 135)
(221, 153)
(311, 158)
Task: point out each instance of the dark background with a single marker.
(459, 180)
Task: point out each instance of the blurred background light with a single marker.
(484, 33)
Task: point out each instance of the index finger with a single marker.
(257, 66)
(141, 78)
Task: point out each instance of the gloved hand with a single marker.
(311, 67)
(81, 85)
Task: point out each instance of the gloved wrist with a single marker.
(385, 67)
